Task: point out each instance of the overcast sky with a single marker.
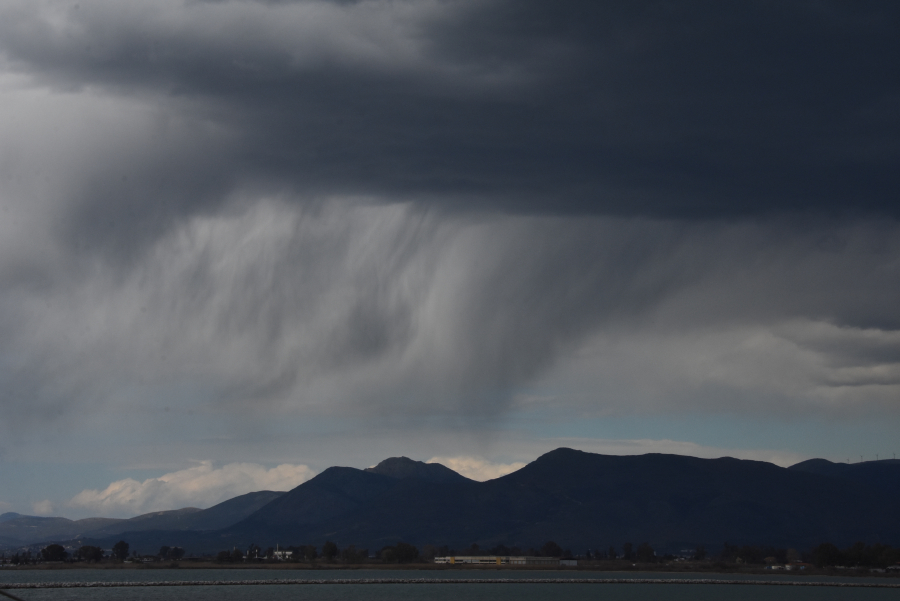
(242, 241)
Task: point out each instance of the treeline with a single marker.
(824, 555)
(548, 549)
(57, 553)
(400, 553)
(764, 555)
(90, 553)
(329, 552)
(857, 555)
(643, 553)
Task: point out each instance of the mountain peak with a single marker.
(404, 467)
(10, 515)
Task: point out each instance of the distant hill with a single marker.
(579, 500)
(403, 467)
(881, 475)
(216, 517)
(5, 517)
(16, 529)
(28, 528)
(230, 512)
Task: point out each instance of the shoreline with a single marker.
(641, 568)
(426, 581)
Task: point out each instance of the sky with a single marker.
(242, 241)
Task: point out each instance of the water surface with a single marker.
(436, 592)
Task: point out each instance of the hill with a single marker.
(577, 499)
(16, 529)
(580, 500)
(881, 475)
(404, 467)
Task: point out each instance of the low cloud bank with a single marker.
(199, 486)
(43, 508)
(477, 468)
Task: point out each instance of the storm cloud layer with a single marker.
(445, 214)
(631, 108)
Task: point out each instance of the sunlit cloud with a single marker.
(43, 508)
(477, 468)
(200, 486)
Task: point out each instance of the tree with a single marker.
(329, 550)
(406, 553)
(500, 550)
(388, 555)
(120, 550)
(89, 553)
(163, 552)
(309, 552)
(253, 551)
(237, 555)
(627, 552)
(551, 549)
(352, 555)
(54, 552)
(176, 553)
(429, 552)
(645, 553)
(826, 554)
(611, 554)
(699, 553)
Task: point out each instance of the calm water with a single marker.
(436, 592)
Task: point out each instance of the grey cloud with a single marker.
(368, 309)
(430, 208)
(650, 109)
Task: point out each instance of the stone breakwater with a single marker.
(43, 585)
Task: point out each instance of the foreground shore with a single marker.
(454, 582)
(681, 568)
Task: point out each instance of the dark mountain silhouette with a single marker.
(228, 513)
(11, 515)
(16, 529)
(577, 499)
(881, 475)
(216, 517)
(28, 528)
(403, 467)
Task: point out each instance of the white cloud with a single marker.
(44, 507)
(198, 486)
(477, 468)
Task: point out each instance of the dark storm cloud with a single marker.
(391, 208)
(398, 314)
(638, 108)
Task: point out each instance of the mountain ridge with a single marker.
(575, 498)
(24, 530)
(404, 467)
